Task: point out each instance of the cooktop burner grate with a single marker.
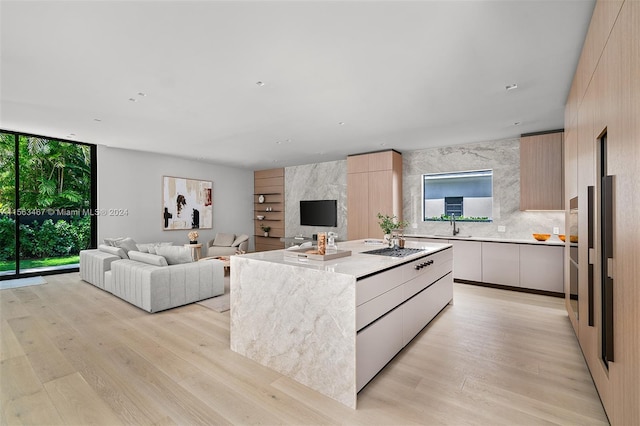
(394, 252)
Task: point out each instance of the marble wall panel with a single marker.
(320, 181)
(503, 156)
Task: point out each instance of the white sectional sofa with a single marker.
(148, 281)
(94, 264)
(157, 288)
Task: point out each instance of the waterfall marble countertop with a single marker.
(359, 264)
(552, 241)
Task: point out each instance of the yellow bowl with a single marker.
(561, 236)
(573, 238)
(541, 237)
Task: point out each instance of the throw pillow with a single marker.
(151, 247)
(241, 239)
(116, 251)
(175, 254)
(151, 259)
(143, 248)
(224, 240)
(127, 244)
(112, 241)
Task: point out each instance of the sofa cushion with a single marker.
(151, 259)
(127, 244)
(117, 251)
(224, 240)
(175, 254)
(241, 239)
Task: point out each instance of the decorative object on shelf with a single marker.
(260, 217)
(541, 237)
(193, 237)
(265, 229)
(186, 203)
(388, 224)
(562, 238)
(261, 199)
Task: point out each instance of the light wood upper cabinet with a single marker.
(541, 172)
(374, 185)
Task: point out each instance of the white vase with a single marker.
(387, 239)
(266, 234)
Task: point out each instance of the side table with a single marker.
(196, 251)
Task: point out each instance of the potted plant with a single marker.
(389, 223)
(266, 229)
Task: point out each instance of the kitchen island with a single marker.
(333, 325)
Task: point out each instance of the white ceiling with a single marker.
(403, 75)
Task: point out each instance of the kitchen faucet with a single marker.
(452, 221)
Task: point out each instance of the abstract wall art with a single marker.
(186, 203)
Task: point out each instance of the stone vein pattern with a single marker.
(503, 156)
(299, 322)
(320, 181)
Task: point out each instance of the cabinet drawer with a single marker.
(431, 266)
(421, 309)
(376, 345)
(378, 306)
(375, 285)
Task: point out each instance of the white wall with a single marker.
(132, 180)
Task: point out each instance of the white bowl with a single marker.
(260, 217)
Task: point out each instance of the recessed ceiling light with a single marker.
(383, 144)
(97, 119)
(142, 94)
(279, 142)
(517, 123)
(288, 140)
(511, 86)
(259, 83)
(71, 135)
(133, 100)
(341, 123)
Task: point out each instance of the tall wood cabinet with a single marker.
(268, 201)
(541, 171)
(374, 185)
(605, 100)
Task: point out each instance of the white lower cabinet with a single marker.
(501, 263)
(467, 260)
(376, 345)
(393, 312)
(420, 310)
(542, 267)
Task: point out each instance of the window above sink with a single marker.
(467, 195)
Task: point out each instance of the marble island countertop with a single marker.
(552, 241)
(359, 264)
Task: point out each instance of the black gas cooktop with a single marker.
(394, 252)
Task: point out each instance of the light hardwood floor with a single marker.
(73, 354)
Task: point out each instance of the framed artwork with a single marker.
(186, 203)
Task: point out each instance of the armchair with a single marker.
(227, 244)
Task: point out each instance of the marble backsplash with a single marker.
(503, 156)
(320, 181)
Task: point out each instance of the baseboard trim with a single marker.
(507, 287)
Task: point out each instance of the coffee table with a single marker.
(226, 261)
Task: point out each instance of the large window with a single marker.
(47, 196)
(467, 195)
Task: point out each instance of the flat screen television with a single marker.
(319, 213)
